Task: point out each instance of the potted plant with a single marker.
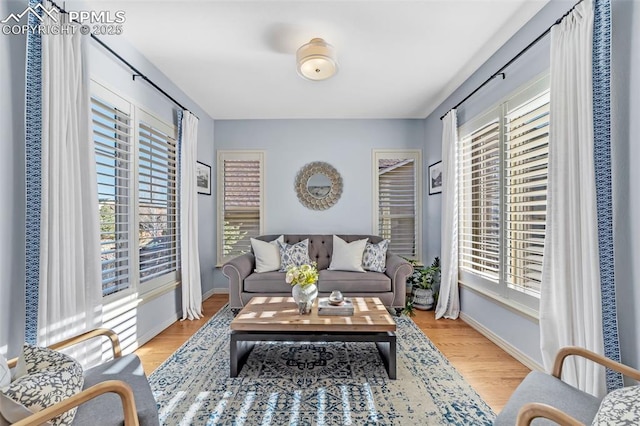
(423, 291)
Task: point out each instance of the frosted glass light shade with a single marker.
(316, 60)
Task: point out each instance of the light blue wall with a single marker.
(519, 330)
(626, 173)
(150, 316)
(12, 204)
(345, 144)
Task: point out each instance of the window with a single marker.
(240, 201)
(136, 173)
(157, 199)
(397, 200)
(502, 161)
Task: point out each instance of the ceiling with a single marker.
(397, 59)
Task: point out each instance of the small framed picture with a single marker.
(435, 178)
(203, 178)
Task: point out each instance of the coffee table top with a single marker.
(281, 314)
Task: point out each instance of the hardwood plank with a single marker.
(493, 373)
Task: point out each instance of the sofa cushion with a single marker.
(267, 254)
(546, 389)
(353, 282)
(620, 407)
(375, 256)
(268, 282)
(294, 254)
(106, 410)
(347, 256)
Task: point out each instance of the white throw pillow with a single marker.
(347, 256)
(267, 254)
(5, 373)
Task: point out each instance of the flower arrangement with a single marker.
(305, 275)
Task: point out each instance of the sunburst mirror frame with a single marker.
(309, 200)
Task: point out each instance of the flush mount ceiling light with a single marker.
(316, 60)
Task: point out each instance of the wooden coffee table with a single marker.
(266, 319)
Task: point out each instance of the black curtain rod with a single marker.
(515, 58)
(137, 72)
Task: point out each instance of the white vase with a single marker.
(304, 297)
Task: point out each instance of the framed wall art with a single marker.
(203, 178)
(435, 178)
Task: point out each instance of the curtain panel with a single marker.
(570, 303)
(449, 300)
(189, 254)
(70, 285)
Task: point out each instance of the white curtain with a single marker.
(570, 303)
(449, 298)
(190, 258)
(70, 289)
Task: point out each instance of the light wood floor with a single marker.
(493, 373)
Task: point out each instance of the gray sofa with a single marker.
(390, 286)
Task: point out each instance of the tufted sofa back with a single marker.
(320, 246)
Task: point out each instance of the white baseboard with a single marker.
(218, 290)
(503, 344)
(208, 294)
(158, 329)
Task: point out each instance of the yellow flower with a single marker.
(304, 275)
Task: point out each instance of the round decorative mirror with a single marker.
(318, 185)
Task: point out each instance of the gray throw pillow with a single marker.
(375, 256)
(50, 377)
(294, 254)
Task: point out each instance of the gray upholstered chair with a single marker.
(114, 393)
(543, 396)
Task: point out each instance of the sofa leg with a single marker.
(398, 311)
(235, 311)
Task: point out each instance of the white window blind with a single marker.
(479, 204)
(397, 200)
(503, 159)
(112, 141)
(241, 201)
(157, 202)
(526, 160)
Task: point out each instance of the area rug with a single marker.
(313, 383)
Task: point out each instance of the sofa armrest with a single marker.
(398, 269)
(237, 269)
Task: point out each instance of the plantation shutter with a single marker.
(112, 142)
(397, 205)
(526, 161)
(157, 202)
(479, 201)
(241, 204)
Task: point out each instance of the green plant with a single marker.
(408, 309)
(423, 277)
(430, 275)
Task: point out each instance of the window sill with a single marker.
(511, 305)
(157, 292)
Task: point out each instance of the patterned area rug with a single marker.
(313, 384)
